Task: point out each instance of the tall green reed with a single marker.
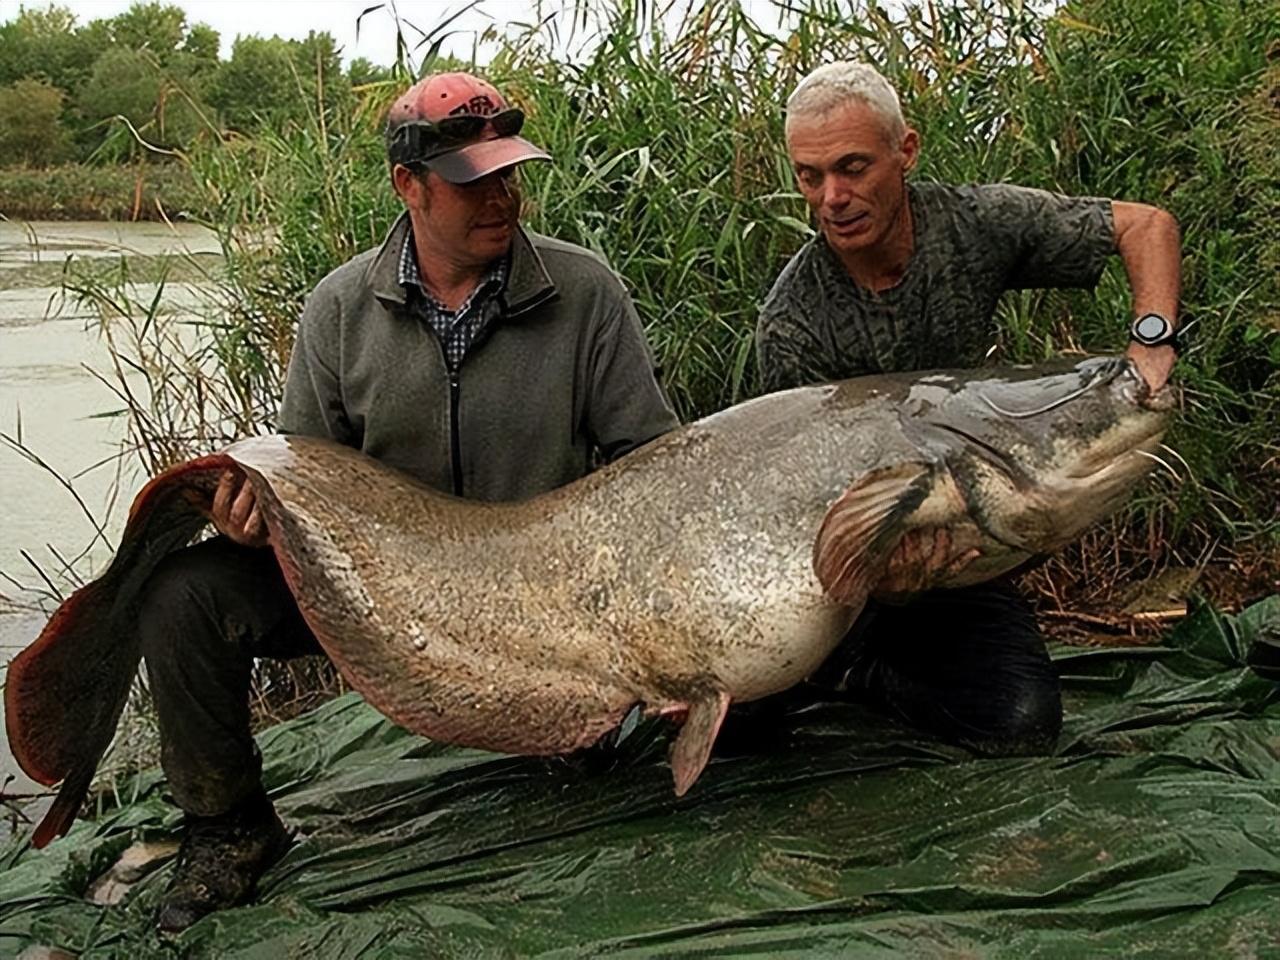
(669, 160)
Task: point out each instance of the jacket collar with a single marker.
(528, 283)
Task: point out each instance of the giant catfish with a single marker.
(721, 562)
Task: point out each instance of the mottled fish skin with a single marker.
(721, 562)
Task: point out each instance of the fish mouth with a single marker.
(1133, 440)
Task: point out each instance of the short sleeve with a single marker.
(1049, 240)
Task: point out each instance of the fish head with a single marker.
(1038, 458)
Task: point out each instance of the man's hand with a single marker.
(235, 511)
(1154, 363)
(1150, 245)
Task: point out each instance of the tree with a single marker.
(152, 27)
(202, 45)
(319, 65)
(278, 82)
(362, 71)
(256, 82)
(133, 85)
(45, 44)
(29, 129)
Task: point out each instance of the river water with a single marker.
(51, 401)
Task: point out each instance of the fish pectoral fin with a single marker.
(862, 527)
(692, 748)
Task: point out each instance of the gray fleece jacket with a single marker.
(563, 377)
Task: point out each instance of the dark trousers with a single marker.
(207, 612)
(967, 665)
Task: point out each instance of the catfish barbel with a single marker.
(721, 562)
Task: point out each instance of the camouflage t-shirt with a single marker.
(972, 243)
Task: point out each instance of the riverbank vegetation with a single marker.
(667, 138)
(79, 191)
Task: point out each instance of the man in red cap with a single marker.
(485, 360)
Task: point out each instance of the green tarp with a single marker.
(1154, 832)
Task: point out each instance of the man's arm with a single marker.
(1148, 241)
(626, 406)
(1063, 241)
(312, 405)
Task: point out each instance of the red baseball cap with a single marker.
(459, 126)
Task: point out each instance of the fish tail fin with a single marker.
(64, 693)
(692, 748)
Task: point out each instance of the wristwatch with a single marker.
(1153, 330)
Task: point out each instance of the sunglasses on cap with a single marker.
(417, 141)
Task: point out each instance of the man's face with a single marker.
(471, 223)
(851, 171)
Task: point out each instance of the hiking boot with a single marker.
(220, 860)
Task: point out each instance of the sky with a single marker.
(292, 19)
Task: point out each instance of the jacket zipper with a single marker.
(455, 430)
(455, 440)
(455, 394)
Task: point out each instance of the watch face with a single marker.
(1151, 327)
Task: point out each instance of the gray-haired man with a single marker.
(906, 276)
